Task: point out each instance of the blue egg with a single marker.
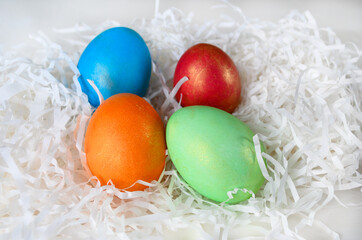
(118, 61)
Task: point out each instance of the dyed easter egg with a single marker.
(125, 142)
(118, 61)
(214, 153)
(213, 78)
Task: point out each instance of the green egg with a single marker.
(214, 153)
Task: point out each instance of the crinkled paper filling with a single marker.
(301, 94)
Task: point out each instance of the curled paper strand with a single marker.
(99, 94)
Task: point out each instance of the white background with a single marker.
(19, 18)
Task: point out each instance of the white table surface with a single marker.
(19, 18)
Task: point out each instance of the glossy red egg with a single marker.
(213, 78)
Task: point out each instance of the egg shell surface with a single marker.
(213, 78)
(118, 61)
(214, 152)
(125, 142)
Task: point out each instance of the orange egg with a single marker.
(125, 142)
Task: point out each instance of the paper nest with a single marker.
(302, 93)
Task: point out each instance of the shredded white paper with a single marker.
(302, 92)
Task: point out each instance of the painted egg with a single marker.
(118, 61)
(125, 142)
(213, 78)
(214, 153)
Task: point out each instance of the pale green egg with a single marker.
(214, 153)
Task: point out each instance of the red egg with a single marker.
(213, 78)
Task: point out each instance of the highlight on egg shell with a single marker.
(125, 142)
(117, 61)
(214, 153)
(213, 78)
